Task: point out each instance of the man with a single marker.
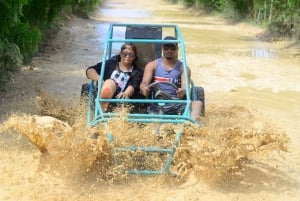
(169, 69)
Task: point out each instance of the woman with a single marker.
(122, 76)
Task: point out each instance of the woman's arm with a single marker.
(92, 74)
(133, 85)
(129, 91)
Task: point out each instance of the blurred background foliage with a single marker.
(24, 24)
(282, 17)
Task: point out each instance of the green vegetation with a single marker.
(23, 24)
(282, 17)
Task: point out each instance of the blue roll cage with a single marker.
(99, 116)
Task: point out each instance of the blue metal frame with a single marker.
(100, 116)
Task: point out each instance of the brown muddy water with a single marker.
(249, 148)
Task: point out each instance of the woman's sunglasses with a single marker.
(125, 54)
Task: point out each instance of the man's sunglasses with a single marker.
(125, 54)
(169, 47)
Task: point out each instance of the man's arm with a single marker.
(148, 77)
(181, 91)
(182, 77)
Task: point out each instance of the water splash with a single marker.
(231, 138)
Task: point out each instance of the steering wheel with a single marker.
(160, 94)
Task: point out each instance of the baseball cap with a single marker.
(170, 38)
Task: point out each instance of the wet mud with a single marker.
(247, 149)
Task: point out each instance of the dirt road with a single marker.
(252, 90)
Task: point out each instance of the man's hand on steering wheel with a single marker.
(145, 91)
(180, 93)
(160, 94)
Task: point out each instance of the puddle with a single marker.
(248, 150)
(263, 53)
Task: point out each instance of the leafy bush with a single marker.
(229, 9)
(286, 18)
(10, 60)
(27, 38)
(283, 17)
(23, 24)
(42, 13)
(84, 7)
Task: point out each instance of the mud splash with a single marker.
(232, 139)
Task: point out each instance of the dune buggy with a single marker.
(148, 38)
